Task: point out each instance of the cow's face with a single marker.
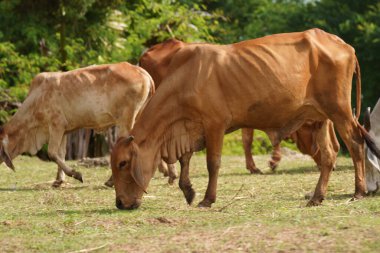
(4, 155)
(129, 181)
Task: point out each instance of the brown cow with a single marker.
(157, 60)
(233, 86)
(94, 97)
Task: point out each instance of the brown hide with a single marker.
(157, 60)
(94, 97)
(233, 86)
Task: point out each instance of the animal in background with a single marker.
(372, 163)
(94, 97)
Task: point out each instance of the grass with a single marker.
(253, 213)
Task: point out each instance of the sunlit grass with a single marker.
(252, 213)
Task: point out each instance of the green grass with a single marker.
(253, 213)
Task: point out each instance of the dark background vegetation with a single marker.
(54, 35)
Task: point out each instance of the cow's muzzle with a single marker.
(121, 206)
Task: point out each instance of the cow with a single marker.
(275, 83)
(94, 97)
(372, 163)
(156, 60)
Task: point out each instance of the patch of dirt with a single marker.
(166, 221)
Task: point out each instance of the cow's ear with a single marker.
(136, 171)
(6, 158)
(367, 121)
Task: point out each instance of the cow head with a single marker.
(4, 155)
(129, 179)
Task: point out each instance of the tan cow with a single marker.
(94, 97)
(275, 83)
(157, 60)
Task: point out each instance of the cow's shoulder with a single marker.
(44, 78)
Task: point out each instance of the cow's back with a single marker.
(93, 97)
(260, 75)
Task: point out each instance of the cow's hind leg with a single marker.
(55, 140)
(172, 173)
(60, 173)
(247, 138)
(184, 179)
(328, 158)
(276, 157)
(353, 139)
(168, 170)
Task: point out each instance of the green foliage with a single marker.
(53, 35)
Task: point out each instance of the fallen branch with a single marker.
(90, 249)
(232, 200)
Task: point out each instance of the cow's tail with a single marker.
(152, 90)
(367, 138)
(358, 88)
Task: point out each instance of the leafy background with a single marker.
(59, 35)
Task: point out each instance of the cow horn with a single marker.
(367, 121)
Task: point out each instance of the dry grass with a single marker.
(253, 213)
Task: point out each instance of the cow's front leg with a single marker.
(184, 179)
(60, 173)
(247, 138)
(214, 143)
(55, 142)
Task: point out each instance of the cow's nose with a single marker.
(119, 204)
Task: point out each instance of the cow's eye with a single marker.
(122, 164)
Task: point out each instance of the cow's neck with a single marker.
(154, 121)
(164, 128)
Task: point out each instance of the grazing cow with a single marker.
(94, 97)
(372, 124)
(233, 86)
(157, 60)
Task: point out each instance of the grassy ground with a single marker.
(253, 213)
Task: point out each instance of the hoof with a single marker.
(359, 195)
(109, 183)
(256, 171)
(77, 176)
(57, 183)
(309, 195)
(314, 202)
(189, 196)
(273, 165)
(171, 180)
(205, 203)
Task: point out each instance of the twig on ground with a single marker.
(90, 249)
(232, 200)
